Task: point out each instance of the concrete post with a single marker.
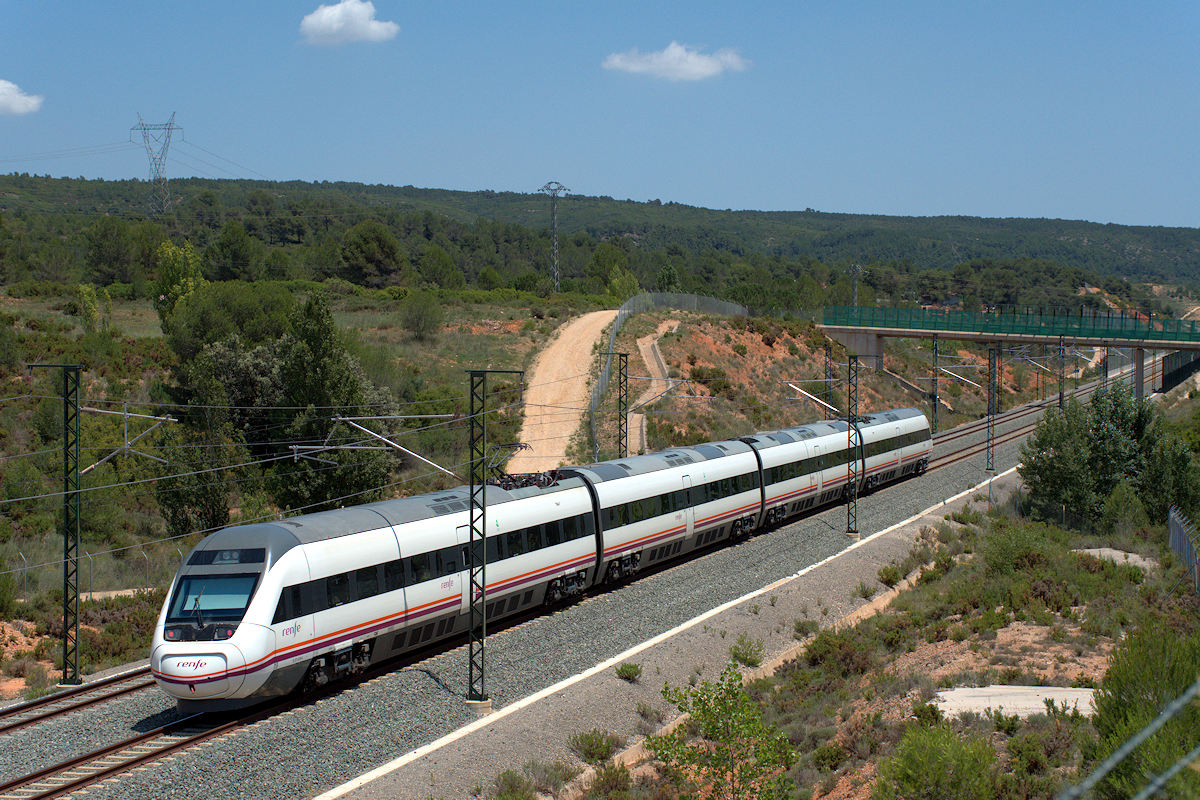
(1139, 373)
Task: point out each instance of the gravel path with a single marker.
(319, 746)
(558, 393)
(652, 358)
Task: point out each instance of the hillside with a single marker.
(45, 219)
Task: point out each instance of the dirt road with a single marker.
(648, 347)
(557, 397)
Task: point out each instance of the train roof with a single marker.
(324, 525)
(664, 459)
(815, 429)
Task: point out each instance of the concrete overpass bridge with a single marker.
(862, 330)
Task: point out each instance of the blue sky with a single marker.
(1027, 109)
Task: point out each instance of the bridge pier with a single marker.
(1139, 373)
(867, 346)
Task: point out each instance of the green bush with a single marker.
(629, 672)
(937, 763)
(549, 778)
(840, 653)
(747, 651)
(609, 778)
(421, 315)
(512, 785)
(829, 756)
(8, 595)
(890, 575)
(804, 627)
(595, 746)
(1151, 667)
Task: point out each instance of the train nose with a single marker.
(195, 676)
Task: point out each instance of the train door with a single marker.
(898, 469)
(463, 578)
(813, 495)
(689, 514)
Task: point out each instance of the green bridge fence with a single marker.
(1025, 323)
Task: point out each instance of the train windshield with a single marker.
(211, 598)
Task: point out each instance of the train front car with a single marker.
(214, 632)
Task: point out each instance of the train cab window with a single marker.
(393, 575)
(337, 590)
(366, 582)
(422, 566)
(211, 598)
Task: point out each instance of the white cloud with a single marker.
(677, 62)
(14, 101)
(347, 21)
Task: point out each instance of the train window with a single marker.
(246, 555)
(337, 590)
(493, 549)
(281, 610)
(533, 539)
(554, 532)
(516, 543)
(654, 506)
(447, 561)
(422, 567)
(587, 525)
(393, 575)
(569, 529)
(366, 582)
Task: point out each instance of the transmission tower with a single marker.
(157, 138)
(856, 272)
(554, 188)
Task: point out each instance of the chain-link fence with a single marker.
(650, 301)
(1182, 538)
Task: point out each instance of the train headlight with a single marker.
(224, 631)
(171, 634)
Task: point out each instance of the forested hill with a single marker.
(1138, 253)
(63, 229)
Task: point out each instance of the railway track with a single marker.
(74, 699)
(106, 762)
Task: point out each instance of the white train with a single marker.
(261, 610)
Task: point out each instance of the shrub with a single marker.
(1152, 666)
(937, 762)
(595, 746)
(609, 778)
(890, 575)
(829, 756)
(512, 785)
(8, 595)
(840, 653)
(629, 672)
(747, 651)
(864, 591)
(804, 627)
(549, 778)
(421, 315)
(738, 755)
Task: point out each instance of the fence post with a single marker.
(147, 568)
